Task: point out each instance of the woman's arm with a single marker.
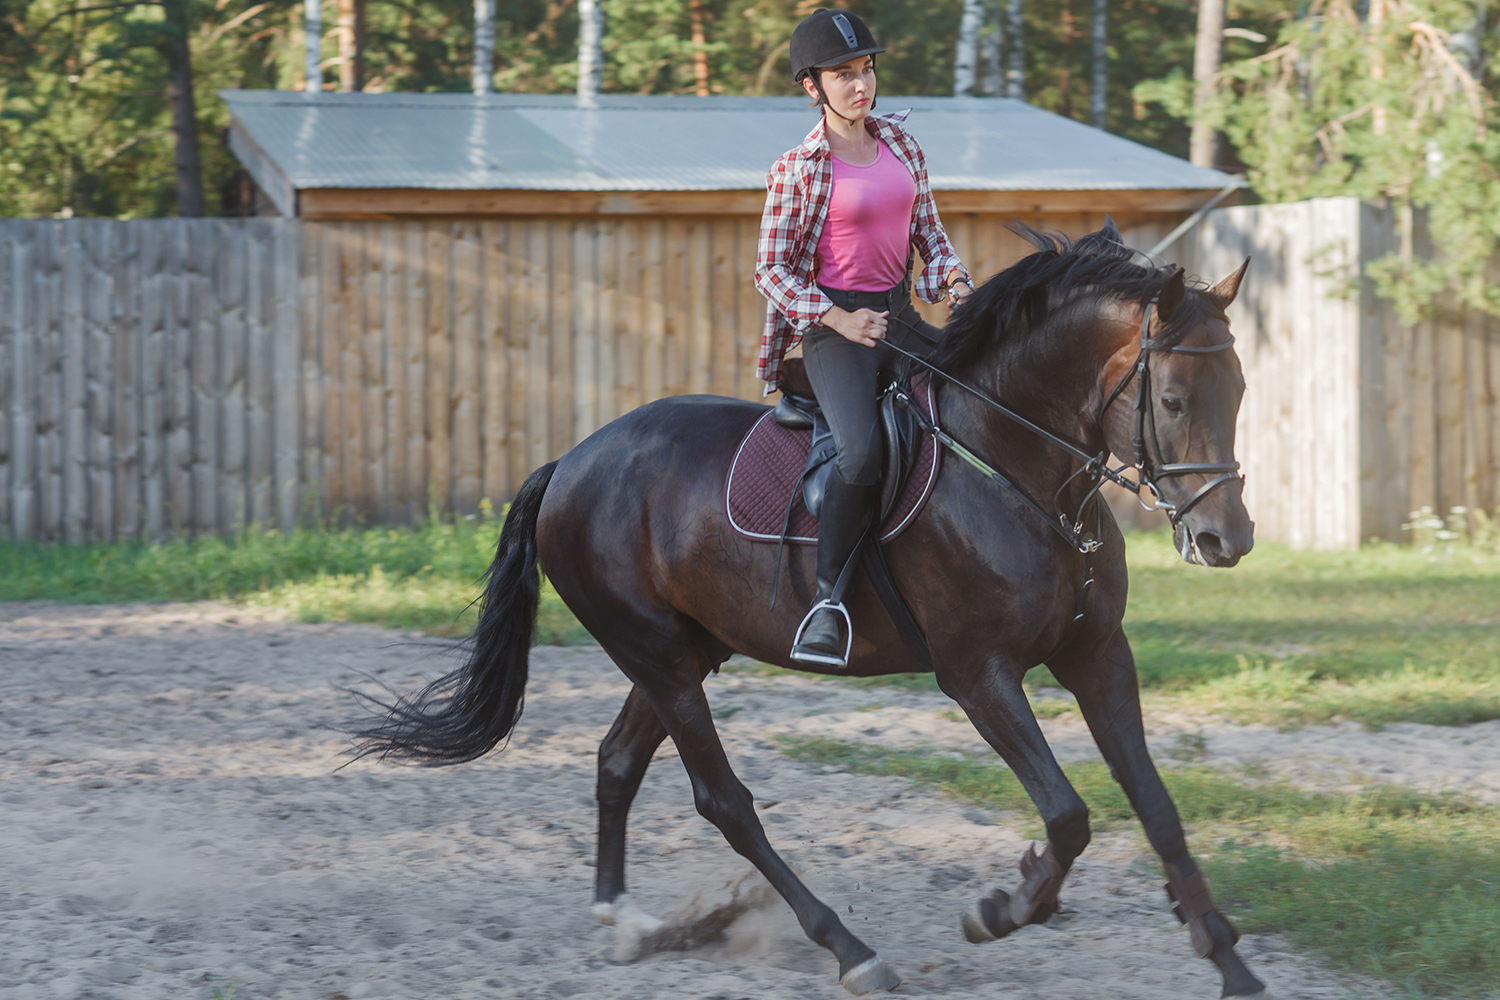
(803, 303)
(931, 241)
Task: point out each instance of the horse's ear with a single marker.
(1169, 299)
(1111, 231)
(1225, 291)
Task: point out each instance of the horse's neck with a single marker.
(1057, 389)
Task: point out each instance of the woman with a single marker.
(844, 212)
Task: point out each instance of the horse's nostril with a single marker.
(1210, 544)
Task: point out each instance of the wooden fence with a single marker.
(164, 376)
(146, 376)
(1351, 420)
(197, 375)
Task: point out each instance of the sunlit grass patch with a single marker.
(1388, 882)
(1380, 635)
(211, 568)
(422, 577)
(1280, 693)
(427, 601)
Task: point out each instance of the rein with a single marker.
(1095, 466)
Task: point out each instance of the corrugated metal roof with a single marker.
(556, 142)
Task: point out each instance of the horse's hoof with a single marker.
(870, 975)
(989, 919)
(623, 912)
(1253, 990)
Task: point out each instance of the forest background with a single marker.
(1376, 98)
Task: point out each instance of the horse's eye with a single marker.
(1171, 404)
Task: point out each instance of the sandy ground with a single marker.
(175, 827)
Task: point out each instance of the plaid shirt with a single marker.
(786, 259)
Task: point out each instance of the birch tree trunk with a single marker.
(1100, 90)
(1015, 72)
(312, 24)
(991, 54)
(346, 46)
(484, 46)
(590, 47)
(1203, 145)
(966, 54)
(184, 113)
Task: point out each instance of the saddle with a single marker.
(780, 471)
(779, 477)
(798, 410)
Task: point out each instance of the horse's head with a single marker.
(1023, 333)
(1177, 422)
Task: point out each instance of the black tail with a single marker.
(466, 713)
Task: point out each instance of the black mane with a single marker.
(1020, 299)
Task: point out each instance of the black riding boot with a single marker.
(841, 524)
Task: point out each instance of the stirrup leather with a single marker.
(808, 656)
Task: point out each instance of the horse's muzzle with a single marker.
(1211, 545)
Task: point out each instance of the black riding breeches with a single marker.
(844, 376)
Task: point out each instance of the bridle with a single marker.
(1147, 469)
(1094, 467)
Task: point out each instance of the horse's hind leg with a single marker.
(623, 758)
(676, 694)
(1104, 681)
(997, 705)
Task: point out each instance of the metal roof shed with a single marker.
(482, 281)
(389, 156)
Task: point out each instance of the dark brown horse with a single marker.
(630, 528)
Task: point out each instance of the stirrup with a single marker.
(824, 658)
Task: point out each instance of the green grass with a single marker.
(1380, 635)
(421, 578)
(1389, 883)
(1385, 634)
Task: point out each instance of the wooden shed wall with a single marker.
(197, 375)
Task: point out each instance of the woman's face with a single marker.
(850, 87)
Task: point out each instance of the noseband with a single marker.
(1147, 468)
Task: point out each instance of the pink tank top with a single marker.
(864, 243)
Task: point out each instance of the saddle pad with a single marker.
(771, 458)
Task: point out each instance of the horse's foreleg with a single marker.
(623, 758)
(1104, 681)
(997, 706)
(727, 804)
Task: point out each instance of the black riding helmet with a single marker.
(829, 38)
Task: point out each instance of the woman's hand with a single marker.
(958, 293)
(863, 326)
